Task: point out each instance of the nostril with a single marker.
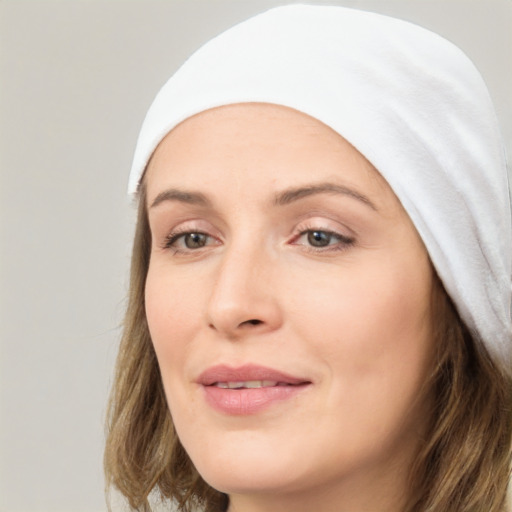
(253, 321)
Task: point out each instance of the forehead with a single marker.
(258, 144)
(267, 123)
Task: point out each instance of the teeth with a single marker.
(248, 384)
(235, 385)
(260, 383)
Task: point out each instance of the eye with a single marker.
(195, 240)
(189, 240)
(318, 239)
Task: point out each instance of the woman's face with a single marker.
(288, 300)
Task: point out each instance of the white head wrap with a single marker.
(408, 100)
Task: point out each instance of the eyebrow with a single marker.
(294, 194)
(281, 199)
(182, 196)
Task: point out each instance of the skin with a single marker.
(351, 316)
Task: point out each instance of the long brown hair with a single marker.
(463, 465)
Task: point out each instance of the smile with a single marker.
(250, 384)
(248, 389)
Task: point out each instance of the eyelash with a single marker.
(175, 236)
(344, 242)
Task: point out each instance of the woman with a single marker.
(319, 313)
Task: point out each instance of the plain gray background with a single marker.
(76, 80)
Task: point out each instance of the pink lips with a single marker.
(247, 389)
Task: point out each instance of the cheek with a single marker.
(372, 331)
(171, 315)
(389, 301)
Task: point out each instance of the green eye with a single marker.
(195, 240)
(319, 238)
(189, 240)
(323, 240)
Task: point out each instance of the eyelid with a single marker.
(343, 238)
(323, 225)
(174, 237)
(187, 227)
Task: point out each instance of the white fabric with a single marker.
(408, 100)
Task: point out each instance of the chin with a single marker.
(249, 482)
(247, 472)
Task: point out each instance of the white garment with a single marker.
(408, 100)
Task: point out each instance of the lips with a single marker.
(248, 389)
(246, 373)
(249, 384)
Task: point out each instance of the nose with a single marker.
(243, 299)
